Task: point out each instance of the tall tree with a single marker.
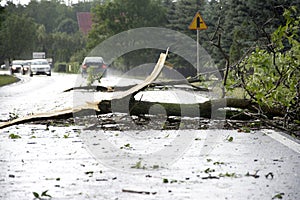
(48, 13)
(247, 22)
(116, 16)
(68, 26)
(2, 18)
(18, 35)
(120, 15)
(183, 15)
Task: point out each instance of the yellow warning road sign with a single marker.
(198, 23)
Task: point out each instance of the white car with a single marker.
(3, 66)
(39, 66)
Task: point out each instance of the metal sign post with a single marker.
(198, 24)
(198, 59)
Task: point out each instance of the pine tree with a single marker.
(184, 14)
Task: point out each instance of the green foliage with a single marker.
(138, 165)
(272, 76)
(43, 194)
(231, 175)
(68, 26)
(17, 36)
(209, 170)
(60, 67)
(49, 13)
(241, 25)
(117, 16)
(73, 67)
(93, 76)
(229, 138)
(278, 196)
(78, 56)
(63, 45)
(47, 26)
(70, 67)
(183, 14)
(14, 136)
(36, 195)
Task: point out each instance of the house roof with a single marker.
(84, 20)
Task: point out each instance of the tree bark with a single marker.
(209, 109)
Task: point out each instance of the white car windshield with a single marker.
(17, 62)
(39, 63)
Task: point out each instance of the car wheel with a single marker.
(30, 74)
(49, 74)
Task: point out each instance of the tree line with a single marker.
(51, 26)
(47, 26)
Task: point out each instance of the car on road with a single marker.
(21, 66)
(16, 66)
(95, 65)
(39, 66)
(25, 67)
(3, 66)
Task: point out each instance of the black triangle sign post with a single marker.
(198, 24)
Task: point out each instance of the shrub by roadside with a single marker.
(72, 67)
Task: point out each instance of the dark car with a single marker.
(94, 65)
(25, 67)
(21, 66)
(16, 66)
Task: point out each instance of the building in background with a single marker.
(84, 20)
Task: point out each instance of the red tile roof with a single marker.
(84, 21)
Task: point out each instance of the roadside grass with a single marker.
(236, 92)
(7, 79)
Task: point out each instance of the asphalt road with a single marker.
(211, 164)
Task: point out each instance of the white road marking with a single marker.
(283, 140)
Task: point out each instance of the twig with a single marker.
(139, 192)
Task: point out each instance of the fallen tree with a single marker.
(134, 107)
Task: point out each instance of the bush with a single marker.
(60, 67)
(271, 77)
(71, 67)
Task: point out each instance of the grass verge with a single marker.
(7, 79)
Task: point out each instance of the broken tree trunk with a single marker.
(208, 109)
(205, 109)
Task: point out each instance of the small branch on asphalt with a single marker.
(138, 192)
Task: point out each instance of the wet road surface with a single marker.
(217, 164)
